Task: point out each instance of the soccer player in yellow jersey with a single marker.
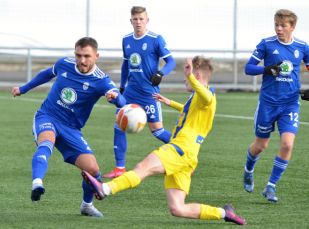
(178, 159)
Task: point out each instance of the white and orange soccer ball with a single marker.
(131, 118)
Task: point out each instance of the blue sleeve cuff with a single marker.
(120, 101)
(169, 66)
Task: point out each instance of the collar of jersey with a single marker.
(86, 74)
(138, 38)
(285, 43)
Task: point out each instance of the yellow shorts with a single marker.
(178, 171)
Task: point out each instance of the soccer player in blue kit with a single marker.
(140, 77)
(78, 86)
(279, 97)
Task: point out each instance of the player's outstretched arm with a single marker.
(42, 77)
(161, 99)
(169, 102)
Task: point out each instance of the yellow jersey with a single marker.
(194, 122)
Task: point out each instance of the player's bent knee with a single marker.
(93, 169)
(88, 163)
(176, 211)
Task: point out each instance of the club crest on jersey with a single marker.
(296, 53)
(144, 47)
(135, 59)
(286, 68)
(85, 86)
(68, 95)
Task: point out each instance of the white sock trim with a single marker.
(271, 184)
(222, 213)
(86, 204)
(106, 189)
(247, 171)
(37, 182)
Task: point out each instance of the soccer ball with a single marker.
(131, 118)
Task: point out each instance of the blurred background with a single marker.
(35, 33)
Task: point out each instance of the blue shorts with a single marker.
(150, 105)
(286, 116)
(69, 141)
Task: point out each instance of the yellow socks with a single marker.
(209, 212)
(127, 180)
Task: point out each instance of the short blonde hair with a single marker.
(202, 63)
(286, 15)
(137, 10)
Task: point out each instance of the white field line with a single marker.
(164, 110)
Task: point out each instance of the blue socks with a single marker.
(250, 163)
(88, 193)
(120, 143)
(40, 159)
(120, 146)
(162, 134)
(280, 166)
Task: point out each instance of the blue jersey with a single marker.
(143, 55)
(285, 87)
(74, 94)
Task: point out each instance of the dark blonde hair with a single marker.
(286, 15)
(137, 10)
(202, 63)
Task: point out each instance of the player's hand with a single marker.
(110, 95)
(304, 94)
(15, 91)
(161, 99)
(121, 90)
(273, 69)
(156, 78)
(187, 67)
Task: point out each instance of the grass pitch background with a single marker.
(217, 180)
